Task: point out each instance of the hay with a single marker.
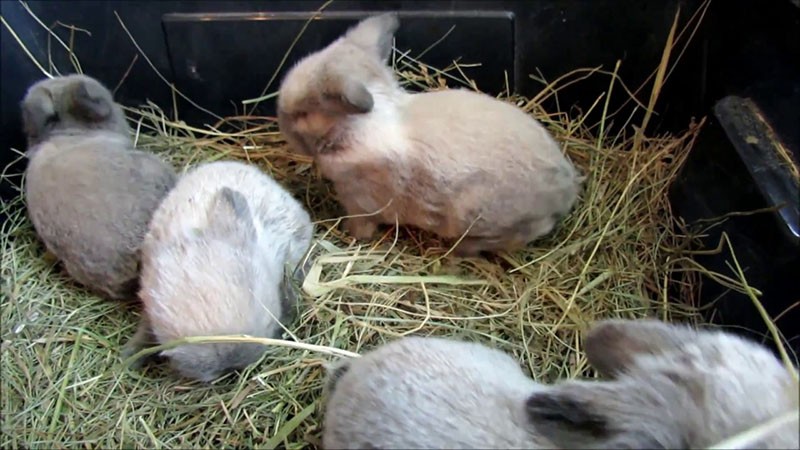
(621, 253)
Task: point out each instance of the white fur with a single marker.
(376, 136)
(429, 393)
(195, 285)
(669, 387)
(452, 162)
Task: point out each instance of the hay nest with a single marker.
(620, 253)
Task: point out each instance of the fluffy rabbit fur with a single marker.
(668, 387)
(215, 262)
(89, 194)
(449, 162)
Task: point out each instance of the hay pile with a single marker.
(621, 253)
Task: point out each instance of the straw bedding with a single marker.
(620, 253)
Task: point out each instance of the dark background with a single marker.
(743, 47)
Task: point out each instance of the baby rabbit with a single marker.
(428, 393)
(450, 162)
(669, 387)
(89, 194)
(214, 262)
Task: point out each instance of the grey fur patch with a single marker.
(236, 201)
(612, 345)
(352, 97)
(390, 24)
(230, 216)
(289, 301)
(376, 33)
(335, 375)
(89, 102)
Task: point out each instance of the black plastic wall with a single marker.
(744, 47)
(752, 51)
(547, 36)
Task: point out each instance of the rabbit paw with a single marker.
(467, 250)
(50, 257)
(360, 228)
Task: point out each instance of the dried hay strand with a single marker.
(621, 253)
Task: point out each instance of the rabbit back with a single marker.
(281, 229)
(452, 161)
(90, 199)
(491, 160)
(275, 210)
(214, 261)
(428, 393)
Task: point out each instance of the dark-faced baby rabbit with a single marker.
(89, 194)
(450, 162)
(669, 387)
(215, 262)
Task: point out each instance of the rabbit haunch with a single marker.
(89, 193)
(666, 386)
(450, 162)
(215, 262)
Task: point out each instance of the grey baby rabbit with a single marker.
(214, 262)
(89, 194)
(450, 162)
(669, 387)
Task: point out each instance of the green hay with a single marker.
(621, 253)
(64, 383)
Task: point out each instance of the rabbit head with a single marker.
(227, 300)
(328, 86)
(207, 362)
(69, 104)
(671, 387)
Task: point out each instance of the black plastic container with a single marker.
(220, 53)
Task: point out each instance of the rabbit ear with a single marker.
(575, 415)
(347, 96)
(289, 295)
(562, 416)
(90, 101)
(334, 372)
(229, 216)
(374, 34)
(612, 345)
(38, 110)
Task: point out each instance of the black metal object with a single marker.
(770, 163)
(716, 182)
(753, 95)
(220, 53)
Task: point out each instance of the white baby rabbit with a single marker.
(89, 194)
(669, 387)
(450, 162)
(214, 263)
(428, 393)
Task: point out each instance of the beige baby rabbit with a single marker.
(450, 162)
(669, 387)
(89, 194)
(215, 263)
